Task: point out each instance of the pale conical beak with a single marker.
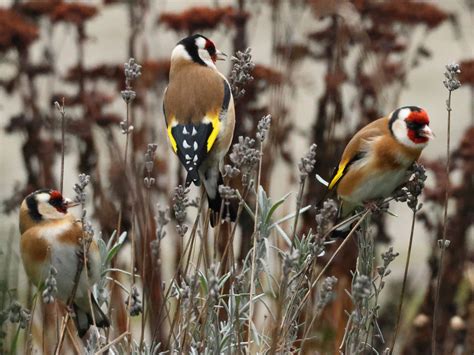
(427, 133)
(220, 55)
(70, 203)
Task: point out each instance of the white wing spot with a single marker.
(195, 158)
(191, 168)
(185, 131)
(194, 131)
(187, 157)
(195, 146)
(185, 144)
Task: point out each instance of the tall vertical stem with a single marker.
(445, 224)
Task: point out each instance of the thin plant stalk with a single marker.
(339, 248)
(445, 225)
(299, 201)
(144, 256)
(232, 233)
(125, 155)
(63, 130)
(405, 277)
(189, 245)
(254, 250)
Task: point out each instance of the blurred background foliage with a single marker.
(323, 69)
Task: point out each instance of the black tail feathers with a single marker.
(84, 319)
(193, 177)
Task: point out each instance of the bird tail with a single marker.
(193, 176)
(214, 200)
(84, 318)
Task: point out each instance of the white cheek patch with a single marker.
(179, 52)
(404, 113)
(200, 42)
(400, 131)
(204, 55)
(48, 211)
(42, 197)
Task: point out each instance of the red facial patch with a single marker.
(415, 121)
(211, 48)
(416, 138)
(420, 117)
(209, 44)
(57, 201)
(55, 195)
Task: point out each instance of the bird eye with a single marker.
(413, 125)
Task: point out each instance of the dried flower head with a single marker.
(245, 157)
(132, 71)
(213, 283)
(50, 288)
(79, 188)
(326, 217)
(263, 126)
(230, 171)
(411, 191)
(19, 314)
(289, 260)
(362, 288)
(149, 163)
(242, 66)
(135, 302)
(451, 74)
(180, 203)
(306, 164)
(387, 258)
(227, 192)
(326, 293)
(161, 220)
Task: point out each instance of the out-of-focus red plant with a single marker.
(73, 12)
(15, 31)
(200, 18)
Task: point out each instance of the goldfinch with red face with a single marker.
(199, 112)
(50, 235)
(375, 161)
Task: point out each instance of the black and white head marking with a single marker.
(46, 204)
(197, 48)
(410, 126)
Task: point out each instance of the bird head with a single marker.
(47, 204)
(410, 126)
(198, 49)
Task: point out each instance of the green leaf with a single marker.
(114, 250)
(274, 207)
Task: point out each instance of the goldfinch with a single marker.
(199, 112)
(50, 235)
(375, 161)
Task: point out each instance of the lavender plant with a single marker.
(242, 66)
(451, 83)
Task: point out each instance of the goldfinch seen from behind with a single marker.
(199, 112)
(375, 161)
(50, 235)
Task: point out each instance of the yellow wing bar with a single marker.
(216, 123)
(170, 136)
(339, 174)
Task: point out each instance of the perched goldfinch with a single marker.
(199, 112)
(375, 161)
(50, 235)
